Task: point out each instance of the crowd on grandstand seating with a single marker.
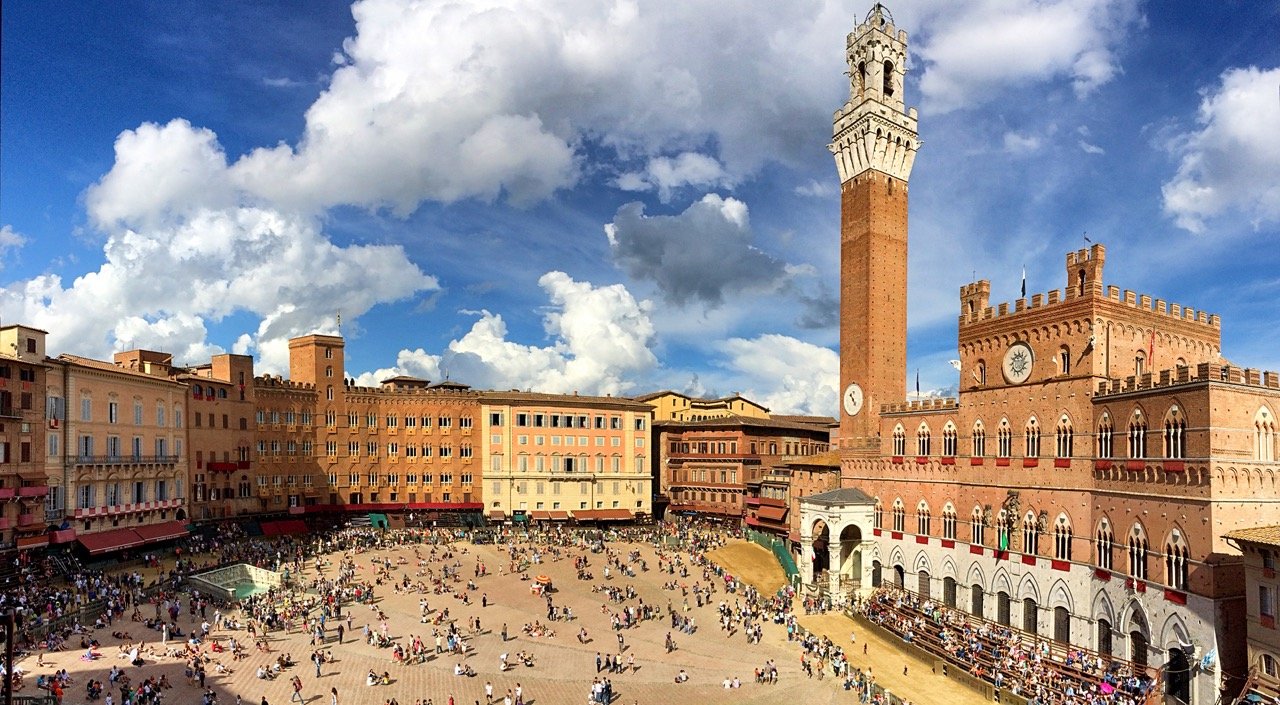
(1011, 660)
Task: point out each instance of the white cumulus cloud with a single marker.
(1231, 163)
(600, 339)
(666, 175)
(10, 240)
(974, 50)
(787, 375)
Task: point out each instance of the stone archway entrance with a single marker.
(850, 572)
(837, 557)
(821, 548)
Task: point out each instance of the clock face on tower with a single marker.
(1017, 363)
(852, 399)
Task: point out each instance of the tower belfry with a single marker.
(874, 142)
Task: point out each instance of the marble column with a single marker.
(806, 560)
(833, 570)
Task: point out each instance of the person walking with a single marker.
(297, 691)
(333, 696)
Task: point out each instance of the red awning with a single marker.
(107, 541)
(284, 527)
(602, 515)
(32, 541)
(63, 536)
(497, 515)
(162, 531)
(549, 515)
(772, 513)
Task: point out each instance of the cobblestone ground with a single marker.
(562, 674)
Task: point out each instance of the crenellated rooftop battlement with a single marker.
(1126, 297)
(1203, 372)
(1084, 281)
(282, 383)
(919, 405)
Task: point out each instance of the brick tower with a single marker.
(874, 143)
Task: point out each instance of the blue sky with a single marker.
(612, 197)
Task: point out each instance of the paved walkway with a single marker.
(564, 669)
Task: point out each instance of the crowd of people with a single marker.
(1009, 659)
(337, 581)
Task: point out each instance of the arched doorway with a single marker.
(851, 556)
(1030, 616)
(875, 574)
(1104, 637)
(975, 600)
(1138, 641)
(1177, 674)
(1061, 625)
(180, 515)
(1002, 607)
(899, 577)
(821, 550)
(949, 592)
(923, 583)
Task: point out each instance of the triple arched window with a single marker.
(1138, 547)
(1137, 435)
(1175, 561)
(1065, 438)
(922, 440)
(1004, 438)
(1264, 437)
(1175, 434)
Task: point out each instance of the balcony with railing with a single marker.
(118, 509)
(126, 460)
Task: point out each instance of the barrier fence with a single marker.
(779, 549)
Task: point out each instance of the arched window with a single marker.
(1105, 545)
(1139, 363)
(899, 440)
(878, 515)
(949, 522)
(1080, 283)
(922, 518)
(1106, 442)
(1030, 534)
(899, 516)
(980, 373)
(1137, 435)
(1065, 446)
(1062, 538)
(1064, 360)
(950, 440)
(1175, 561)
(1264, 439)
(1032, 435)
(1175, 434)
(1004, 438)
(1138, 547)
(862, 76)
(977, 527)
(979, 440)
(922, 439)
(888, 79)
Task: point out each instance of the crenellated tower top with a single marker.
(873, 130)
